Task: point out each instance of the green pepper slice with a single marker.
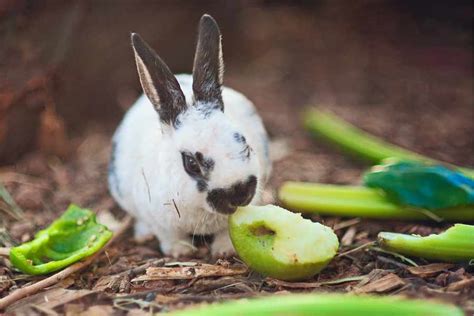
(72, 237)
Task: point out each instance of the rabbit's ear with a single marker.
(158, 82)
(208, 64)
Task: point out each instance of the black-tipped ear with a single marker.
(208, 67)
(158, 82)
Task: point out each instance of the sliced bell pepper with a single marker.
(72, 237)
(456, 244)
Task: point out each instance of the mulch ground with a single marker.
(132, 276)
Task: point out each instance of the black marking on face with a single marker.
(205, 165)
(177, 123)
(239, 138)
(227, 200)
(202, 185)
(246, 151)
(113, 178)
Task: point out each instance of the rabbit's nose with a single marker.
(243, 192)
(226, 201)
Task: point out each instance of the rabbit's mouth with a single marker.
(226, 201)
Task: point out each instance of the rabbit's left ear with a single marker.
(208, 67)
(158, 82)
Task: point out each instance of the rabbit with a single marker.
(189, 151)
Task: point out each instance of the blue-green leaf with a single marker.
(421, 185)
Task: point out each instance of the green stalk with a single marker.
(324, 304)
(454, 245)
(360, 143)
(355, 201)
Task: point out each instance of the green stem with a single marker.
(360, 143)
(454, 245)
(323, 304)
(357, 202)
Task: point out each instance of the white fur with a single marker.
(148, 177)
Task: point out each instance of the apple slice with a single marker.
(281, 244)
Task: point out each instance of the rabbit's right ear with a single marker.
(158, 82)
(208, 66)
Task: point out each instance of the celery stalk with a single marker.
(357, 202)
(360, 143)
(454, 245)
(324, 304)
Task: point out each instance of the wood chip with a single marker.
(430, 270)
(97, 310)
(49, 299)
(183, 273)
(467, 284)
(111, 283)
(312, 285)
(347, 223)
(348, 237)
(385, 284)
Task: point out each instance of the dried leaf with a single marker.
(385, 284)
(430, 269)
(348, 237)
(467, 284)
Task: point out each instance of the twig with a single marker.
(4, 251)
(310, 285)
(176, 208)
(396, 255)
(369, 244)
(61, 275)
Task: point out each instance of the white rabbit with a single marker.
(189, 151)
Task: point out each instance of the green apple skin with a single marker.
(256, 252)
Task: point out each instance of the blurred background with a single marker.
(399, 69)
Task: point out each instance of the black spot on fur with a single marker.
(226, 201)
(245, 153)
(207, 164)
(239, 138)
(207, 109)
(201, 185)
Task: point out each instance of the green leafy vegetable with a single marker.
(358, 201)
(360, 143)
(324, 304)
(454, 245)
(421, 185)
(72, 237)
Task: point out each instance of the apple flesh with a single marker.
(281, 244)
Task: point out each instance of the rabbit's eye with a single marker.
(191, 165)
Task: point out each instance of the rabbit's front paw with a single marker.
(179, 248)
(142, 230)
(222, 246)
